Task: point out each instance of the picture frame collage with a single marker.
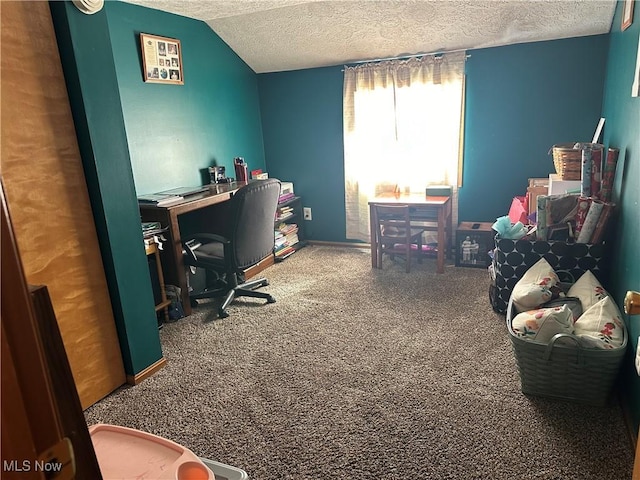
(162, 59)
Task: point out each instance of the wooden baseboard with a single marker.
(339, 244)
(146, 373)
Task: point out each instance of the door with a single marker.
(43, 428)
(48, 199)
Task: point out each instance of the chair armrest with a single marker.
(211, 237)
(190, 250)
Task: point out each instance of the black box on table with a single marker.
(474, 241)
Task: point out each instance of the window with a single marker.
(402, 130)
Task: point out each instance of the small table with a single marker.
(422, 208)
(163, 305)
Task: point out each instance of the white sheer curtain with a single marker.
(402, 130)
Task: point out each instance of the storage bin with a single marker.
(512, 258)
(126, 453)
(564, 370)
(225, 472)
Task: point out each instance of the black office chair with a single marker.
(246, 239)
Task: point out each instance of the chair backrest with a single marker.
(253, 210)
(393, 220)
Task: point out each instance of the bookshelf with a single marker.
(289, 228)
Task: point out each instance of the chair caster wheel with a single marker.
(223, 314)
(193, 302)
(271, 299)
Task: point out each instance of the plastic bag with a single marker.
(506, 229)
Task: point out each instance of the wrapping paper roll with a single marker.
(596, 172)
(583, 208)
(590, 222)
(541, 230)
(608, 174)
(601, 227)
(585, 178)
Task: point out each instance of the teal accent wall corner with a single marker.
(622, 130)
(175, 132)
(95, 105)
(521, 99)
(138, 137)
(302, 125)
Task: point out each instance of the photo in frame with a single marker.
(627, 14)
(161, 59)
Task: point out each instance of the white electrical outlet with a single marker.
(638, 357)
(306, 213)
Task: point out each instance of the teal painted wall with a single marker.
(85, 49)
(521, 99)
(302, 127)
(174, 132)
(139, 138)
(622, 130)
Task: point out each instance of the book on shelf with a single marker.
(284, 216)
(284, 251)
(283, 213)
(285, 197)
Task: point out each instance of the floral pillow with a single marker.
(601, 326)
(542, 324)
(535, 286)
(588, 289)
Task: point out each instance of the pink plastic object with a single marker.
(127, 454)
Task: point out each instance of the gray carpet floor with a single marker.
(356, 374)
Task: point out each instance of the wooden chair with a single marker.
(395, 234)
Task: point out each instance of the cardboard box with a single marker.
(474, 241)
(286, 188)
(537, 186)
(557, 186)
(438, 191)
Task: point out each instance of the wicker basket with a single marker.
(564, 370)
(567, 161)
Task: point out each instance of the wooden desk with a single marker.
(172, 261)
(421, 209)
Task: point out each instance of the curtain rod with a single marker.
(403, 57)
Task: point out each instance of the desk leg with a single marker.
(373, 237)
(174, 269)
(442, 222)
(181, 274)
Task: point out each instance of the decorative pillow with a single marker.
(534, 288)
(542, 324)
(601, 326)
(588, 289)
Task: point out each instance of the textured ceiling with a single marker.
(279, 35)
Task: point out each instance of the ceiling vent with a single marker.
(89, 6)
